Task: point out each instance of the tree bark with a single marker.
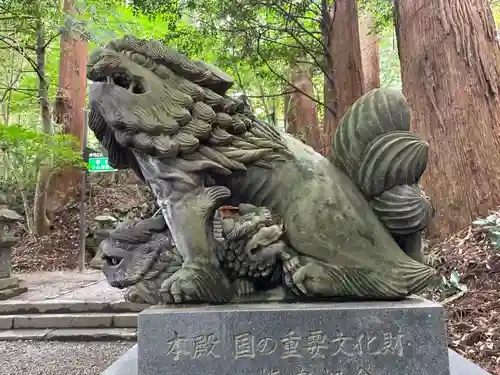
(301, 115)
(370, 53)
(344, 83)
(70, 100)
(40, 217)
(450, 62)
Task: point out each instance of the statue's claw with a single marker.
(305, 276)
(244, 287)
(136, 295)
(197, 283)
(291, 268)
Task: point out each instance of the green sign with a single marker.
(99, 165)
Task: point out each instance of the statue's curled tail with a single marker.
(374, 147)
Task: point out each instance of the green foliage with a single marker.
(452, 285)
(490, 225)
(390, 69)
(382, 12)
(20, 74)
(25, 150)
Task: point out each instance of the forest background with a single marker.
(300, 64)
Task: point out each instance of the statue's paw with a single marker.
(244, 287)
(138, 295)
(197, 283)
(291, 267)
(307, 277)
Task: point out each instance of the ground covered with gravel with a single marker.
(58, 358)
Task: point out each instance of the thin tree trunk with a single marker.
(450, 66)
(370, 53)
(344, 84)
(41, 222)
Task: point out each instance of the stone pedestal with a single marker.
(106, 224)
(363, 338)
(100, 235)
(127, 364)
(5, 257)
(9, 286)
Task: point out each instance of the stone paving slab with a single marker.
(24, 334)
(92, 320)
(68, 285)
(6, 321)
(49, 306)
(125, 320)
(12, 307)
(70, 334)
(96, 334)
(68, 306)
(79, 320)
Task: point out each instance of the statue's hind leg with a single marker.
(310, 277)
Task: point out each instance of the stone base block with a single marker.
(9, 283)
(356, 338)
(10, 287)
(12, 292)
(127, 364)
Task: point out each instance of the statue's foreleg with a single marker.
(188, 208)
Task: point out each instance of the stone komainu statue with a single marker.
(351, 225)
(140, 254)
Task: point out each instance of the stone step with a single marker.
(72, 320)
(14, 307)
(72, 334)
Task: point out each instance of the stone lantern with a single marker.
(9, 286)
(105, 225)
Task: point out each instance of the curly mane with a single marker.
(187, 116)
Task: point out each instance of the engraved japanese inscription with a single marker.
(302, 371)
(201, 346)
(317, 344)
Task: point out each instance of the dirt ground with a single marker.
(470, 268)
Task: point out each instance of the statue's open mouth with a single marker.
(122, 79)
(112, 260)
(112, 255)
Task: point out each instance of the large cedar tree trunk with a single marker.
(70, 101)
(344, 83)
(370, 53)
(450, 71)
(301, 115)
